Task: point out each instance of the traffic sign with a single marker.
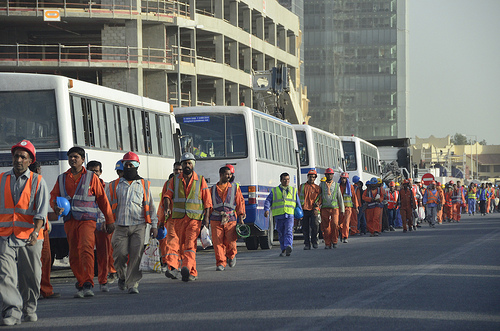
(427, 179)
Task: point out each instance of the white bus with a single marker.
(259, 146)
(362, 158)
(56, 113)
(318, 150)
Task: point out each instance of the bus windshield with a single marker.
(220, 136)
(28, 115)
(350, 155)
(302, 142)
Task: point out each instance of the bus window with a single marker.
(214, 136)
(350, 155)
(29, 115)
(302, 142)
(111, 126)
(78, 121)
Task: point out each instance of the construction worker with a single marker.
(439, 216)
(457, 200)
(112, 277)
(417, 194)
(471, 198)
(432, 202)
(374, 196)
(398, 223)
(448, 205)
(483, 195)
(392, 198)
(168, 224)
(309, 198)
(408, 205)
(353, 222)
(103, 247)
(188, 200)
(332, 204)
(46, 289)
(282, 201)
(133, 208)
(228, 208)
(23, 213)
(86, 195)
(350, 203)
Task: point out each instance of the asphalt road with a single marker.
(447, 278)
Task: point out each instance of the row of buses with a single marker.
(56, 113)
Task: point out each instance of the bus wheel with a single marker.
(252, 243)
(266, 242)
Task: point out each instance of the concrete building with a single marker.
(472, 162)
(356, 64)
(186, 52)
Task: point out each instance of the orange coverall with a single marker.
(408, 204)
(442, 199)
(224, 236)
(187, 229)
(374, 215)
(81, 234)
(353, 223)
(165, 250)
(345, 217)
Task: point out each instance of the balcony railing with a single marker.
(92, 55)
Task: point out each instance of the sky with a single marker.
(454, 68)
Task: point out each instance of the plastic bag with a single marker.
(206, 241)
(421, 213)
(150, 260)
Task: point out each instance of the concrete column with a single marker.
(234, 51)
(247, 20)
(260, 62)
(219, 9)
(133, 39)
(247, 60)
(248, 95)
(235, 95)
(233, 12)
(272, 33)
(192, 9)
(219, 48)
(281, 38)
(194, 91)
(260, 27)
(220, 92)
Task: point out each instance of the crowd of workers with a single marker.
(114, 218)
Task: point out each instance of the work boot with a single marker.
(10, 321)
(328, 246)
(30, 317)
(345, 240)
(172, 274)
(185, 274)
(87, 290)
(315, 246)
(79, 292)
(391, 228)
(112, 277)
(288, 250)
(307, 247)
(133, 290)
(282, 253)
(104, 287)
(220, 268)
(231, 262)
(121, 284)
(334, 246)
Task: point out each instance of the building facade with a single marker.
(356, 66)
(186, 52)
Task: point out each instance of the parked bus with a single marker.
(259, 146)
(362, 158)
(56, 113)
(318, 150)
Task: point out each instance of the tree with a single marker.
(459, 139)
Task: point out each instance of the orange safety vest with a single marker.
(18, 219)
(431, 197)
(393, 199)
(145, 201)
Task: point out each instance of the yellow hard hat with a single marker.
(397, 184)
(323, 179)
(379, 180)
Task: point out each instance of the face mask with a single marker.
(130, 173)
(187, 171)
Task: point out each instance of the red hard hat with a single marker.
(27, 146)
(392, 184)
(130, 156)
(329, 171)
(433, 182)
(406, 181)
(231, 168)
(312, 172)
(344, 175)
(438, 183)
(451, 182)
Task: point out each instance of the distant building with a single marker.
(472, 162)
(356, 66)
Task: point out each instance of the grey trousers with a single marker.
(19, 267)
(431, 214)
(128, 245)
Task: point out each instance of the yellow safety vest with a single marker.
(190, 205)
(284, 204)
(329, 201)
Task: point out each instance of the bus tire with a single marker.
(252, 243)
(266, 242)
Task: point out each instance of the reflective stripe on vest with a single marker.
(347, 198)
(83, 205)
(471, 194)
(192, 205)
(284, 204)
(228, 205)
(145, 198)
(18, 219)
(302, 194)
(329, 201)
(392, 199)
(431, 197)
